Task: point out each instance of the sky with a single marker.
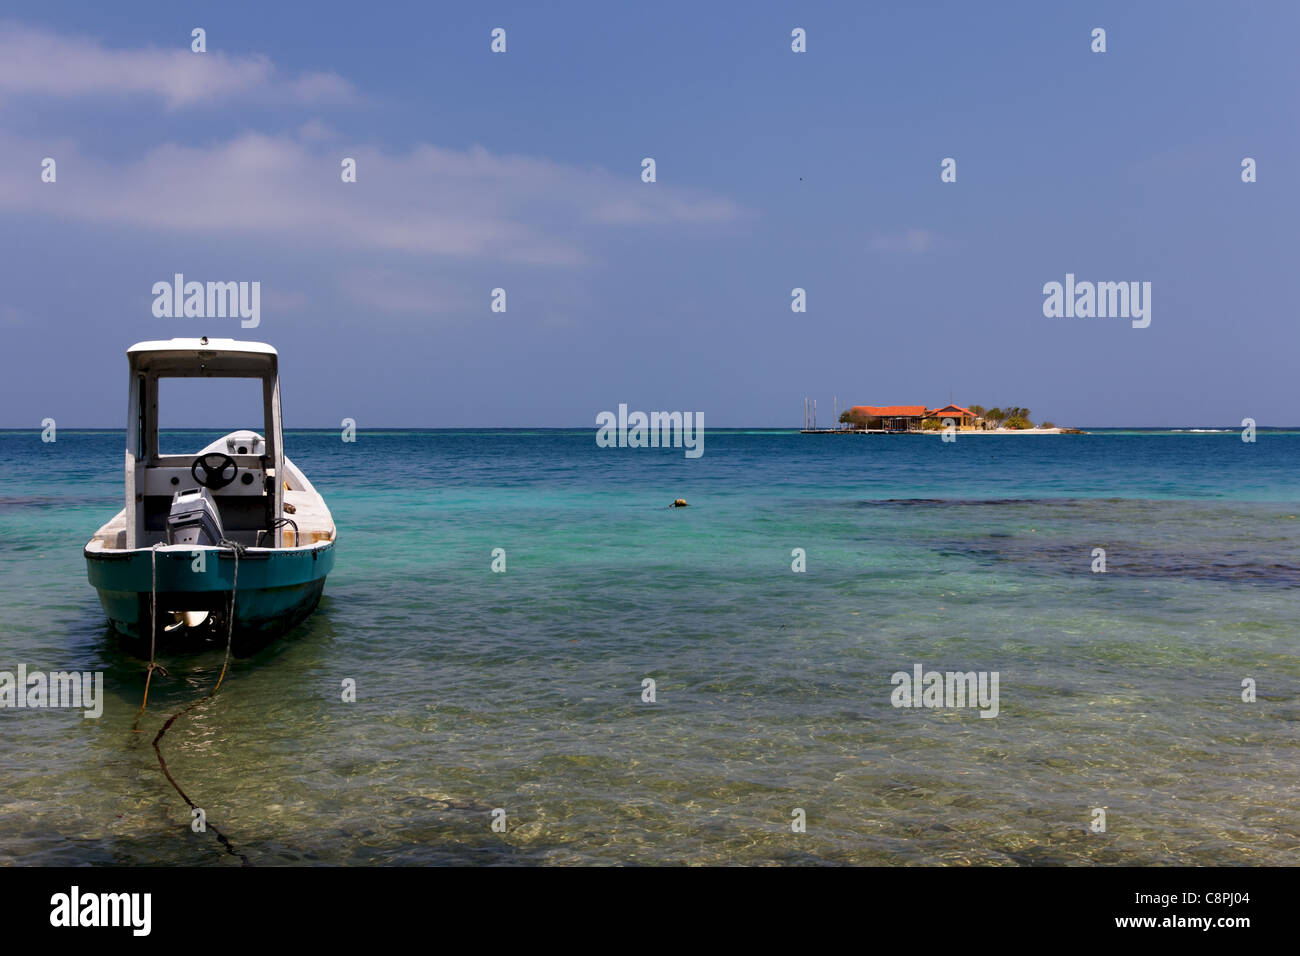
(774, 170)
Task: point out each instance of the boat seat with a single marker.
(112, 536)
(310, 515)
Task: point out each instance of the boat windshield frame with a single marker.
(194, 358)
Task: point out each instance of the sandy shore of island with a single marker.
(937, 433)
(1008, 431)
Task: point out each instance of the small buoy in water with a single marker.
(679, 503)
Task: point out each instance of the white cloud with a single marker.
(428, 201)
(284, 300)
(34, 61)
(913, 241)
(285, 191)
(391, 290)
(316, 131)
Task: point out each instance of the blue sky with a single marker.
(775, 170)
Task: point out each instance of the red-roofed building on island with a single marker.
(910, 418)
(892, 418)
(961, 417)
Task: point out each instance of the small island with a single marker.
(920, 419)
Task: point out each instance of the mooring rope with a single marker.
(230, 630)
(153, 636)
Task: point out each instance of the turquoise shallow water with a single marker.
(522, 690)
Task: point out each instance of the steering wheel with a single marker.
(214, 476)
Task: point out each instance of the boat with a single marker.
(231, 542)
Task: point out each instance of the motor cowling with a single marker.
(193, 519)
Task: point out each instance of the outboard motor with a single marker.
(193, 519)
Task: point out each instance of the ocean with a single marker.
(520, 698)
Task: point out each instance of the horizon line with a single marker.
(790, 428)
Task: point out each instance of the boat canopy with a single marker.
(202, 357)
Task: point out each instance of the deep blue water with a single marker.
(522, 690)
